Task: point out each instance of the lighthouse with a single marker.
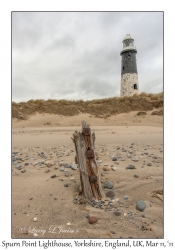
(129, 76)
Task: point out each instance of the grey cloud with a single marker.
(64, 42)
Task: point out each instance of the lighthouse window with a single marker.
(135, 86)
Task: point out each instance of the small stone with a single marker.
(74, 166)
(92, 219)
(72, 178)
(23, 170)
(61, 169)
(113, 168)
(122, 159)
(35, 219)
(19, 166)
(110, 194)
(117, 213)
(125, 197)
(53, 176)
(26, 164)
(112, 232)
(108, 185)
(66, 174)
(113, 158)
(130, 167)
(103, 179)
(149, 164)
(136, 176)
(140, 205)
(66, 165)
(47, 171)
(106, 168)
(135, 158)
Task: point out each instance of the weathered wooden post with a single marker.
(85, 157)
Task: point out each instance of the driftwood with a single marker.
(85, 158)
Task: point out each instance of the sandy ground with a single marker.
(40, 148)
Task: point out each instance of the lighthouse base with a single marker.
(129, 84)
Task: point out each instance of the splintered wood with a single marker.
(85, 157)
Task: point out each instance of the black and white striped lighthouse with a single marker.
(129, 76)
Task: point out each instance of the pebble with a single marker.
(135, 158)
(26, 164)
(23, 170)
(92, 219)
(19, 166)
(125, 197)
(123, 159)
(66, 174)
(141, 205)
(149, 164)
(112, 232)
(74, 166)
(113, 158)
(103, 179)
(130, 167)
(61, 169)
(47, 171)
(66, 165)
(117, 213)
(106, 168)
(35, 219)
(136, 176)
(66, 185)
(108, 185)
(53, 176)
(110, 194)
(72, 178)
(113, 168)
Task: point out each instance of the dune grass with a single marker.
(99, 107)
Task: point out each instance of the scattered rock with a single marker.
(135, 158)
(19, 166)
(136, 176)
(66, 165)
(113, 158)
(74, 166)
(106, 168)
(108, 185)
(125, 197)
(113, 168)
(130, 167)
(23, 170)
(149, 164)
(35, 219)
(103, 179)
(112, 232)
(117, 213)
(53, 176)
(47, 171)
(72, 178)
(110, 194)
(140, 205)
(92, 219)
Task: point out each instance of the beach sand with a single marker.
(43, 143)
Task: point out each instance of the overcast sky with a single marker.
(76, 55)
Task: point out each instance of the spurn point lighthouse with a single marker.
(129, 77)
